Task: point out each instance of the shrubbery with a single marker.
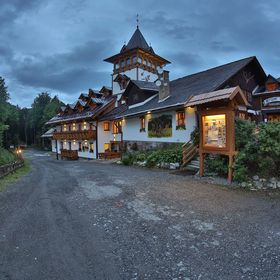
(259, 150)
(5, 156)
(153, 157)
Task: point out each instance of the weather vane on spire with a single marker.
(137, 20)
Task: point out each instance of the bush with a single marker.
(153, 157)
(216, 164)
(259, 150)
(128, 159)
(6, 156)
(195, 136)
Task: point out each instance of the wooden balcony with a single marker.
(69, 154)
(75, 135)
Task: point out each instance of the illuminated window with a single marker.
(214, 131)
(64, 127)
(84, 126)
(106, 126)
(85, 146)
(117, 127)
(142, 124)
(106, 147)
(242, 115)
(180, 118)
(74, 127)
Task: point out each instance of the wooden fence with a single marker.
(10, 167)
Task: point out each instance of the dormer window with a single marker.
(122, 64)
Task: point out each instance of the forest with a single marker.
(24, 126)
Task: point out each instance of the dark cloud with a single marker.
(59, 46)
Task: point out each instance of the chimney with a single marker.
(164, 89)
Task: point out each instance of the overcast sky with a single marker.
(59, 46)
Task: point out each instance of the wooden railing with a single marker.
(75, 135)
(189, 152)
(70, 154)
(10, 167)
(109, 155)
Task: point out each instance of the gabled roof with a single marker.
(183, 88)
(88, 113)
(218, 95)
(270, 78)
(121, 77)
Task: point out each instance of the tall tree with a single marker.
(4, 97)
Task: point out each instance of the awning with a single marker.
(226, 94)
(49, 133)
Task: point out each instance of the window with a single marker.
(74, 127)
(242, 115)
(106, 147)
(85, 146)
(142, 124)
(106, 126)
(69, 145)
(134, 59)
(64, 127)
(91, 147)
(80, 146)
(180, 119)
(117, 66)
(117, 127)
(61, 145)
(128, 61)
(122, 84)
(84, 126)
(122, 63)
(139, 60)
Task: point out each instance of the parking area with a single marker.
(90, 220)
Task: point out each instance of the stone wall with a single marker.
(258, 183)
(130, 146)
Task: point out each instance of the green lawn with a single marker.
(15, 175)
(5, 156)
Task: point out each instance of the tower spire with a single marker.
(137, 21)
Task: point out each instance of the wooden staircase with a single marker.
(190, 151)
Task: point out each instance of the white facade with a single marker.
(106, 138)
(131, 128)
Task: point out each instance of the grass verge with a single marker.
(15, 175)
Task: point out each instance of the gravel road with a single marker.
(91, 220)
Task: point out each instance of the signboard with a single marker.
(272, 101)
(214, 131)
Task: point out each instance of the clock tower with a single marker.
(135, 61)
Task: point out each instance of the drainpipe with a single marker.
(96, 141)
(56, 149)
